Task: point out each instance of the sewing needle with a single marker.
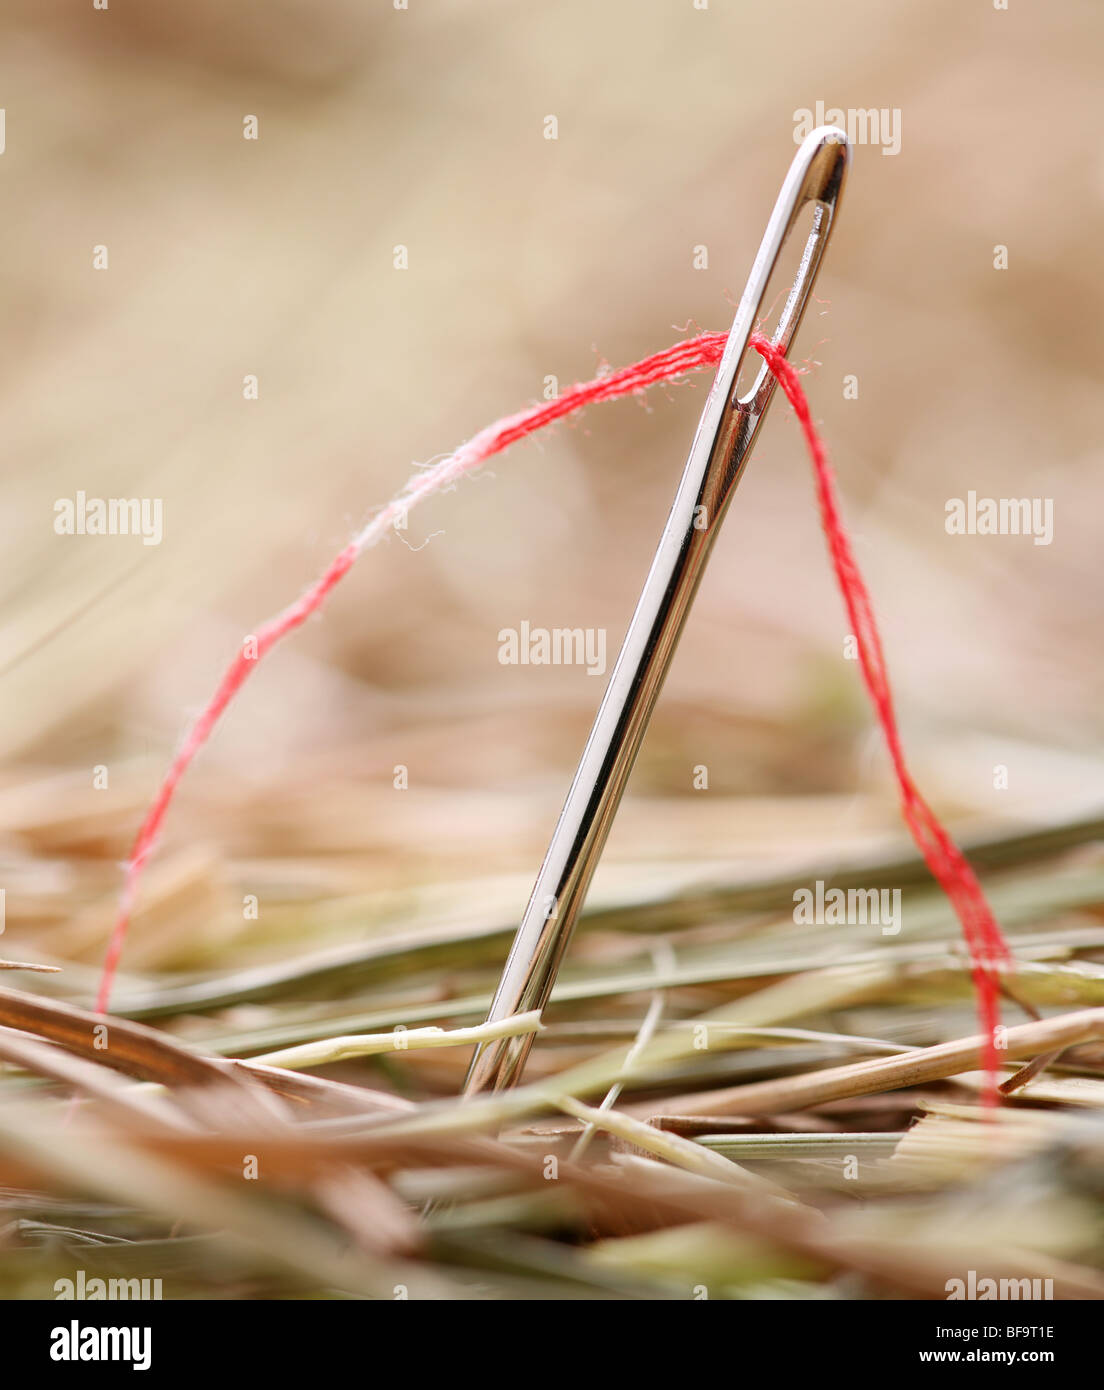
(725, 435)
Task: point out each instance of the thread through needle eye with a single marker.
(722, 444)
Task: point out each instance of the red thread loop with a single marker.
(987, 947)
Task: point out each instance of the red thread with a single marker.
(235, 677)
(703, 351)
(987, 946)
(949, 867)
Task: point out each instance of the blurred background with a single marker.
(528, 258)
